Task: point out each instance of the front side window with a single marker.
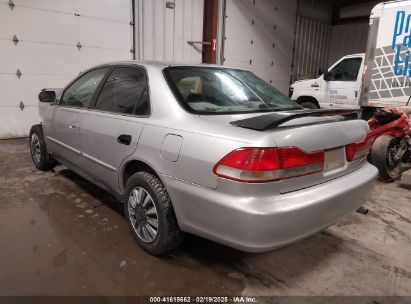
(206, 90)
(125, 91)
(346, 70)
(81, 92)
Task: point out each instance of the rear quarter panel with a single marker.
(198, 154)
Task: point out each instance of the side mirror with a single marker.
(47, 96)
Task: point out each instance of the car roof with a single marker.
(162, 64)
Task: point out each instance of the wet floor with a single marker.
(61, 235)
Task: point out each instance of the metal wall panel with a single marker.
(319, 45)
(259, 36)
(163, 32)
(347, 39)
(46, 53)
(311, 48)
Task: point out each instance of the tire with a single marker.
(38, 149)
(309, 105)
(381, 156)
(142, 220)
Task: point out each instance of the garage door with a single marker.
(259, 36)
(45, 43)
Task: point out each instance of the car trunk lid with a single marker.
(312, 131)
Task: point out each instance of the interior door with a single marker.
(343, 83)
(170, 31)
(62, 124)
(111, 129)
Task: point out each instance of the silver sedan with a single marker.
(207, 150)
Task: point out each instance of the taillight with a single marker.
(296, 162)
(357, 150)
(255, 165)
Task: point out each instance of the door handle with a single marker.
(124, 139)
(72, 126)
(199, 42)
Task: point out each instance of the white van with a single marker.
(378, 78)
(339, 87)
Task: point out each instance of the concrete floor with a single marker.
(60, 235)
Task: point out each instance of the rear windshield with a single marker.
(206, 90)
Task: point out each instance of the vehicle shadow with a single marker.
(91, 189)
(277, 268)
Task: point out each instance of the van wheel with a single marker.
(309, 105)
(38, 149)
(382, 156)
(150, 214)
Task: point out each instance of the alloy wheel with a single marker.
(143, 214)
(35, 148)
(392, 164)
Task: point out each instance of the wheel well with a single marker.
(37, 125)
(302, 99)
(133, 167)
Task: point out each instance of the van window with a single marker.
(346, 70)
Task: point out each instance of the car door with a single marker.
(343, 82)
(111, 128)
(62, 125)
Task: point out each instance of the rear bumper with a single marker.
(261, 223)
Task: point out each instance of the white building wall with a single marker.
(46, 53)
(49, 31)
(259, 36)
(256, 35)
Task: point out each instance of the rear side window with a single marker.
(81, 92)
(125, 91)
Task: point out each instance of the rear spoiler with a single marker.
(272, 120)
